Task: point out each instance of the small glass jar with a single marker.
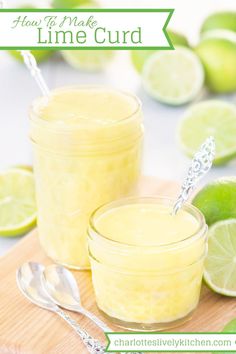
(148, 287)
(81, 163)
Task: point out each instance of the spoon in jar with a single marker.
(200, 165)
(62, 288)
(29, 281)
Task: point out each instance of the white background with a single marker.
(162, 156)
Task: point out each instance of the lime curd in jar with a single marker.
(87, 151)
(147, 264)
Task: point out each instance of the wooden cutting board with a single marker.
(27, 329)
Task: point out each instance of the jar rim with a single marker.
(36, 104)
(202, 226)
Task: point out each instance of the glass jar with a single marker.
(87, 145)
(146, 286)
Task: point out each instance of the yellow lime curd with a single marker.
(147, 264)
(87, 151)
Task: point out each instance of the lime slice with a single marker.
(220, 264)
(213, 117)
(17, 202)
(174, 77)
(217, 200)
(88, 60)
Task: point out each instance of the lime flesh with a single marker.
(173, 77)
(220, 264)
(17, 202)
(210, 118)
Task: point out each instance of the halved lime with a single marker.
(174, 77)
(88, 60)
(17, 202)
(212, 117)
(220, 264)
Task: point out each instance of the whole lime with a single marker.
(138, 57)
(40, 55)
(218, 56)
(230, 326)
(68, 4)
(220, 20)
(217, 200)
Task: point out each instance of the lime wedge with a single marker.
(88, 60)
(220, 264)
(173, 77)
(213, 117)
(17, 202)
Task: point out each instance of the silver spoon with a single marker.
(200, 165)
(62, 288)
(29, 281)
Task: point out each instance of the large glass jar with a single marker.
(147, 264)
(87, 145)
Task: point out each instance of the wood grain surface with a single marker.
(27, 329)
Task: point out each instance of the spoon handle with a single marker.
(102, 325)
(92, 344)
(200, 165)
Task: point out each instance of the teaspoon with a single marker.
(200, 165)
(62, 288)
(29, 281)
